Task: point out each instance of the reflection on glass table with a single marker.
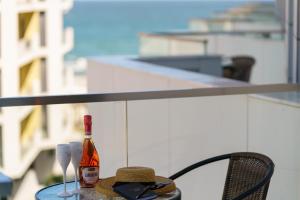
(50, 193)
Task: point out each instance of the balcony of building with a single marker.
(35, 132)
(24, 6)
(152, 112)
(255, 11)
(261, 45)
(31, 37)
(169, 112)
(171, 133)
(233, 24)
(252, 29)
(30, 129)
(31, 78)
(171, 45)
(147, 114)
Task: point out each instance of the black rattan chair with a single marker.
(248, 175)
(240, 69)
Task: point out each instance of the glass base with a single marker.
(76, 191)
(64, 194)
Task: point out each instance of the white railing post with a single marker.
(297, 38)
(126, 131)
(290, 40)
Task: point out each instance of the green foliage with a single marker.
(53, 179)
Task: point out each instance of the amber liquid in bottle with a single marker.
(89, 164)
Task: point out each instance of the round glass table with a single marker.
(50, 193)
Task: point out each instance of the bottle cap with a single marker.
(88, 124)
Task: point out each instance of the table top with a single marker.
(50, 193)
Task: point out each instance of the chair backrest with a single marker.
(248, 177)
(242, 67)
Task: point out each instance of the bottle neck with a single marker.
(88, 135)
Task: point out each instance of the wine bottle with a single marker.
(89, 164)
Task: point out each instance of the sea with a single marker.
(112, 27)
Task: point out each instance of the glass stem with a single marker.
(65, 186)
(76, 185)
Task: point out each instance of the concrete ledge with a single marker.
(200, 79)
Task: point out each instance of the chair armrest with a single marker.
(199, 164)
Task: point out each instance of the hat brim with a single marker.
(104, 186)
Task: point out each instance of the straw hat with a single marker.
(134, 174)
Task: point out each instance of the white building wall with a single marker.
(255, 26)
(274, 130)
(168, 46)
(54, 70)
(171, 134)
(14, 54)
(9, 85)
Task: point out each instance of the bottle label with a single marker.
(90, 174)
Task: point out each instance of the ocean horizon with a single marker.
(112, 28)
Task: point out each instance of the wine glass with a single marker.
(76, 153)
(63, 155)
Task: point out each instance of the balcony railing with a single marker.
(169, 44)
(191, 42)
(145, 95)
(178, 127)
(199, 33)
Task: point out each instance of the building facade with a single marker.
(33, 43)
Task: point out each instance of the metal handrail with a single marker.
(144, 95)
(174, 36)
(199, 33)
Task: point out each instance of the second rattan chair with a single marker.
(240, 69)
(248, 175)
